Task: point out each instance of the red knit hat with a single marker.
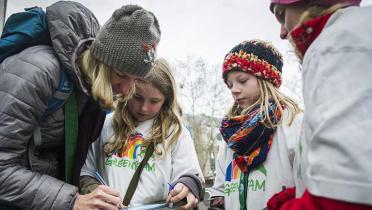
(257, 57)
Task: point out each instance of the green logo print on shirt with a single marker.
(254, 184)
(132, 155)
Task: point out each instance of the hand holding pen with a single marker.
(103, 197)
(180, 193)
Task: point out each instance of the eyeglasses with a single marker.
(279, 12)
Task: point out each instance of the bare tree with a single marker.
(216, 102)
(203, 95)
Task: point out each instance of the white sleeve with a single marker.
(219, 182)
(184, 158)
(338, 123)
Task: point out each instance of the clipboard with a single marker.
(158, 206)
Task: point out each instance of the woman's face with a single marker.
(289, 17)
(146, 102)
(243, 87)
(121, 83)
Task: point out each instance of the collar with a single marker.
(304, 35)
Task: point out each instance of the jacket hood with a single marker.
(72, 28)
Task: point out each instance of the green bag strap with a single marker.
(243, 191)
(135, 179)
(71, 134)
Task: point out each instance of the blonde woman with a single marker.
(151, 117)
(260, 131)
(41, 174)
(333, 41)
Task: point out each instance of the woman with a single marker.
(39, 174)
(333, 41)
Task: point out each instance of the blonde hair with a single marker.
(98, 76)
(312, 12)
(167, 124)
(269, 92)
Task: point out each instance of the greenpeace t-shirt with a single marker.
(265, 180)
(118, 168)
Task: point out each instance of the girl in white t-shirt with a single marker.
(150, 117)
(260, 131)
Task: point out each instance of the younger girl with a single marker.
(151, 117)
(260, 131)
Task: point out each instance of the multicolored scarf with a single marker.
(248, 137)
(250, 140)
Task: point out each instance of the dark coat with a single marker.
(31, 173)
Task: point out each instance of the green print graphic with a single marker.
(231, 187)
(253, 184)
(262, 169)
(126, 163)
(132, 155)
(256, 185)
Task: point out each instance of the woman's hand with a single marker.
(103, 197)
(179, 192)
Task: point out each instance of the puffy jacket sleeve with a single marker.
(27, 81)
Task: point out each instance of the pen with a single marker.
(170, 187)
(100, 179)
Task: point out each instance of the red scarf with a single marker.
(306, 33)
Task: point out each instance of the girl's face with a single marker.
(121, 83)
(244, 88)
(146, 102)
(288, 16)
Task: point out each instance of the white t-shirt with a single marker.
(118, 169)
(267, 179)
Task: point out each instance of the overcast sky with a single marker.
(208, 28)
(205, 28)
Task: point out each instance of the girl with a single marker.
(45, 170)
(333, 41)
(260, 131)
(151, 117)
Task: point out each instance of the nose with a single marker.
(126, 86)
(143, 107)
(283, 32)
(235, 90)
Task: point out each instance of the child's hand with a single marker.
(179, 192)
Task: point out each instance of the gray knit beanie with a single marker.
(128, 41)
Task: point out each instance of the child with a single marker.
(260, 131)
(152, 115)
(333, 41)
